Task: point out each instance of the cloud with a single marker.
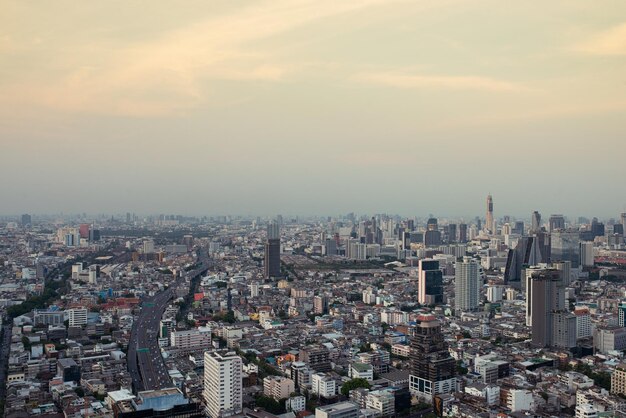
(174, 71)
(419, 81)
(609, 42)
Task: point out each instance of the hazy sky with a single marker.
(313, 106)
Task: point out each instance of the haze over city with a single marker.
(313, 107)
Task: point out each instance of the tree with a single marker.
(271, 405)
(359, 382)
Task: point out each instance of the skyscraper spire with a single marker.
(490, 225)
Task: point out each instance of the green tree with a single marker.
(271, 405)
(354, 384)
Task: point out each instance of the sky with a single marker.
(313, 107)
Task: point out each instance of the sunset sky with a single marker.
(313, 107)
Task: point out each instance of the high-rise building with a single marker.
(557, 222)
(432, 235)
(535, 222)
(597, 228)
(518, 228)
(148, 247)
(564, 246)
(94, 235)
(430, 282)
(466, 285)
(586, 254)
(623, 219)
(83, 231)
(552, 325)
(272, 251)
(489, 221)
(525, 253)
(222, 393)
(77, 317)
(451, 233)
(320, 304)
(433, 370)
(462, 233)
(26, 220)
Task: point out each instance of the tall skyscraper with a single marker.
(564, 246)
(430, 282)
(586, 254)
(535, 222)
(466, 285)
(433, 371)
(462, 233)
(552, 325)
(623, 218)
(557, 222)
(222, 392)
(432, 236)
(272, 251)
(526, 253)
(490, 223)
(451, 233)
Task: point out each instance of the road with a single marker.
(145, 362)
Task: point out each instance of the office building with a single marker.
(433, 370)
(583, 323)
(565, 246)
(535, 222)
(609, 338)
(451, 235)
(525, 253)
(565, 269)
(551, 324)
(26, 220)
(77, 317)
(490, 224)
(272, 251)
(222, 391)
(556, 222)
(430, 282)
(586, 254)
(466, 285)
(148, 247)
(462, 233)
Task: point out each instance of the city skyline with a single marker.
(313, 107)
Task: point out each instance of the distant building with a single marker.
(27, 220)
(272, 251)
(466, 285)
(490, 222)
(430, 282)
(556, 222)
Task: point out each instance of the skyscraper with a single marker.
(490, 224)
(451, 233)
(586, 254)
(433, 371)
(430, 282)
(526, 253)
(432, 236)
(272, 251)
(466, 285)
(222, 393)
(535, 222)
(552, 325)
(557, 222)
(462, 233)
(26, 220)
(564, 246)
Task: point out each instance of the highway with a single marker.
(145, 362)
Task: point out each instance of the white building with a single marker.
(323, 385)
(586, 411)
(77, 317)
(222, 384)
(296, 403)
(466, 285)
(586, 253)
(381, 400)
(362, 371)
(520, 400)
(194, 338)
(583, 323)
(495, 293)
